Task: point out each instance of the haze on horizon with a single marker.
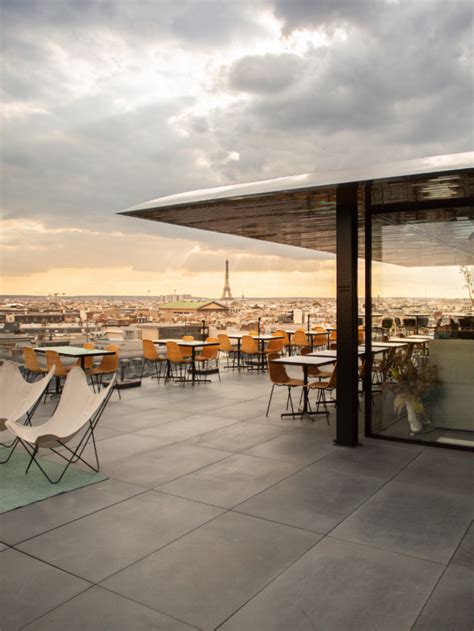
(108, 104)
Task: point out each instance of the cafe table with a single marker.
(309, 334)
(361, 350)
(76, 352)
(261, 339)
(305, 362)
(193, 345)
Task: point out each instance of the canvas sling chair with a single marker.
(18, 398)
(77, 415)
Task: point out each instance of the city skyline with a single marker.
(108, 119)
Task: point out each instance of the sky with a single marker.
(110, 103)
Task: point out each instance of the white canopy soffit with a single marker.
(431, 204)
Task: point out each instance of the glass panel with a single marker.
(422, 287)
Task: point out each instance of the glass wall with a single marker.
(423, 326)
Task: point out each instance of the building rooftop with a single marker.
(215, 516)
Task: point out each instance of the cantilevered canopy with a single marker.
(433, 196)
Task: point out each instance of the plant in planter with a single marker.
(411, 384)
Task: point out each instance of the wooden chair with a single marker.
(151, 356)
(209, 355)
(176, 359)
(32, 365)
(280, 378)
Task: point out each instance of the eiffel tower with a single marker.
(226, 292)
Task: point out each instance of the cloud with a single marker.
(110, 103)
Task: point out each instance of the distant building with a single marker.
(192, 306)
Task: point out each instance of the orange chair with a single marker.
(279, 377)
(175, 358)
(60, 370)
(300, 339)
(314, 371)
(208, 355)
(286, 339)
(249, 350)
(322, 388)
(361, 335)
(275, 345)
(226, 347)
(320, 340)
(151, 355)
(32, 365)
(108, 366)
(187, 352)
(88, 361)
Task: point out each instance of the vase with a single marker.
(413, 420)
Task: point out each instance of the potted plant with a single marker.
(411, 383)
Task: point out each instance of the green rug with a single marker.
(18, 489)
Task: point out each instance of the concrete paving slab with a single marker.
(410, 520)
(339, 586)
(231, 481)
(30, 588)
(98, 545)
(98, 609)
(205, 576)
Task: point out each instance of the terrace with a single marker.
(215, 516)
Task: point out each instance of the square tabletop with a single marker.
(264, 337)
(304, 360)
(361, 350)
(387, 345)
(188, 343)
(411, 340)
(74, 351)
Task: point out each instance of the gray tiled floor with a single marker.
(218, 516)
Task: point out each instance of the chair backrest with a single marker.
(411, 322)
(275, 345)
(332, 379)
(387, 323)
(320, 340)
(312, 371)
(173, 352)
(286, 339)
(210, 352)
(109, 363)
(276, 372)
(31, 359)
(319, 329)
(224, 342)
(149, 350)
(333, 335)
(300, 338)
(18, 396)
(361, 334)
(78, 404)
(88, 361)
(423, 321)
(187, 338)
(253, 333)
(53, 360)
(248, 345)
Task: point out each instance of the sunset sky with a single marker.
(109, 103)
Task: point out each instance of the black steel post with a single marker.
(203, 331)
(309, 319)
(258, 326)
(347, 359)
(368, 311)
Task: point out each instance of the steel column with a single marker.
(347, 359)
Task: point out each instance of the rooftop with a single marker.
(215, 516)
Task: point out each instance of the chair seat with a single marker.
(291, 382)
(319, 385)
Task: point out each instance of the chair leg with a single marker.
(143, 369)
(270, 400)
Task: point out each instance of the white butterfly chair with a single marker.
(18, 398)
(79, 410)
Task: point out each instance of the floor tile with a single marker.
(30, 588)
(339, 586)
(206, 575)
(98, 610)
(442, 470)
(410, 520)
(313, 499)
(376, 460)
(164, 464)
(451, 604)
(301, 446)
(464, 555)
(32, 520)
(231, 481)
(132, 422)
(185, 428)
(238, 436)
(102, 543)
